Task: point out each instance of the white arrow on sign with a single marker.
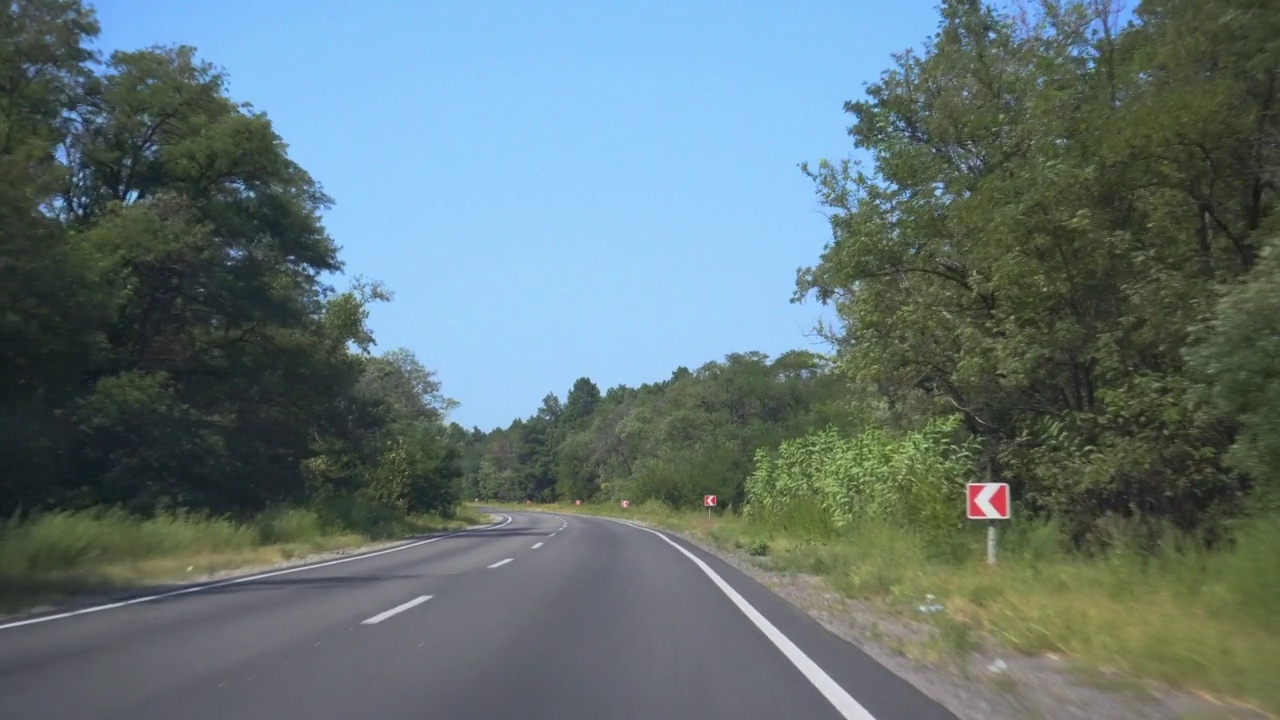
(983, 501)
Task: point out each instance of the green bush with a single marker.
(288, 525)
(916, 479)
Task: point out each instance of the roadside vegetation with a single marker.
(175, 363)
(47, 556)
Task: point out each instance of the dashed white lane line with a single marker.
(396, 610)
(536, 546)
(553, 534)
(247, 578)
(844, 703)
(500, 563)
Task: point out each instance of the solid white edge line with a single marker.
(536, 546)
(843, 702)
(500, 563)
(247, 578)
(396, 610)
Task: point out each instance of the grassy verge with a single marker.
(1202, 622)
(59, 554)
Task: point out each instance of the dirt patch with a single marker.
(987, 682)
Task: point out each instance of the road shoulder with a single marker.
(986, 683)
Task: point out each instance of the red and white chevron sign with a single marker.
(988, 501)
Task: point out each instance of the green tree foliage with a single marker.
(167, 337)
(1240, 352)
(1053, 204)
(674, 440)
(909, 480)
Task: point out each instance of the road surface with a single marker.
(537, 617)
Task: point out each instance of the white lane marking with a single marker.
(553, 534)
(844, 703)
(396, 610)
(536, 546)
(247, 578)
(500, 563)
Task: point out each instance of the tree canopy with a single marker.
(169, 340)
(1056, 267)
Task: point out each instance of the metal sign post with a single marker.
(991, 542)
(990, 502)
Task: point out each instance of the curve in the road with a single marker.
(602, 621)
(848, 707)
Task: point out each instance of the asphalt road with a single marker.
(541, 617)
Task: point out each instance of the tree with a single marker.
(581, 402)
(673, 440)
(44, 62)
(1240, 352)
(1019, 253)
(167, 340)
(409, 389)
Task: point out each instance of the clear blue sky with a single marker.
(555, 189)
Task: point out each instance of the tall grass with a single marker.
(1191, 617)
(50, 554)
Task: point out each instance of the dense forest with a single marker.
(673, 440)
(167, 337)
(1058, 268)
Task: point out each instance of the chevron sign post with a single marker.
(990, 502)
